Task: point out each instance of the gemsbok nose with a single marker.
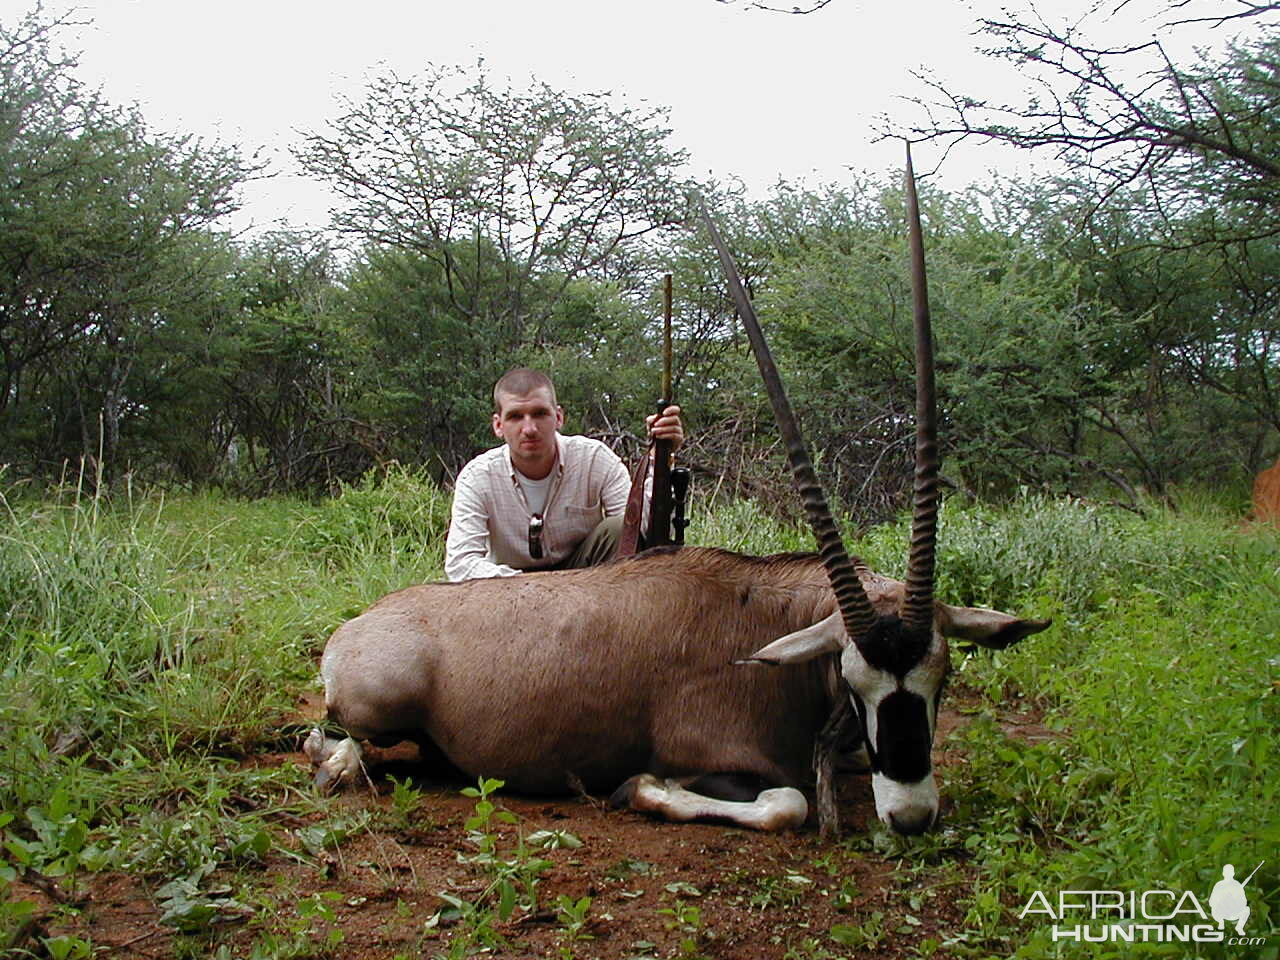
(912, 821)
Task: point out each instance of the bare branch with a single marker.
(813, 7)
(1250, 10)
(1122, 115)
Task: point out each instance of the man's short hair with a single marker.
(519, 382)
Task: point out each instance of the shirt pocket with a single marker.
(577, 523)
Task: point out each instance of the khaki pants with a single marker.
(600, 546)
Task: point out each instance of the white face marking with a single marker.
(925, 681)
(873, 685)
(907, 807)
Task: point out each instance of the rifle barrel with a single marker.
(666, 339)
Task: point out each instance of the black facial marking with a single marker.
(903, 737)
(937, 697)
(892, 647)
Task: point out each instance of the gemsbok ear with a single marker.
(825, 636)
(986, 628)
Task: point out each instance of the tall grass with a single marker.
(149, 644)
(157, 627)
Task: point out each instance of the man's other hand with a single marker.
(667, 427)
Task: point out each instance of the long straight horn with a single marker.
(917, 602)
(855, 609)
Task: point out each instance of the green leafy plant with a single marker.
(67, 947)
(512, 874)
(628, 867)
(312, 933)
(319, 838)
(685, 920)
(784, 891)
(810, 948)
(190, 904)
(55, 843)
(405, 800)
(553, 840)
(572, 915)
(318, 910)
(16, 915)
(860, 936)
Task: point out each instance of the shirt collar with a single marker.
(557, 468)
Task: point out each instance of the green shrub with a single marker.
(1072, 556)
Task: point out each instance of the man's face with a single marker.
(528, 423)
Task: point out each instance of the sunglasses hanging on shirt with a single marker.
(535, 536)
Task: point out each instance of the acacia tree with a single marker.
(1126, 115)
(96, 218)
(424, 369)
(1017, 348)
(533, 183)
(285, 362)
(1167, 202)
(423, 372)
(1195, 349)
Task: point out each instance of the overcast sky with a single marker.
(751, 94)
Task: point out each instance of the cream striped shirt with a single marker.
(489, 527)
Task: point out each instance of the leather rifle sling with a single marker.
(630, 539)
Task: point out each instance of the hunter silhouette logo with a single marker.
(1228, 902)
(1149, 916)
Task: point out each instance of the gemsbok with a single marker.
(696, 683)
